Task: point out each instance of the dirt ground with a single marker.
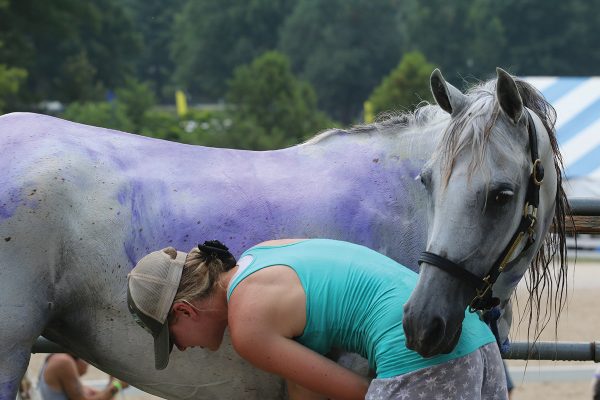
(579, 322)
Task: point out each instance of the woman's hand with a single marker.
(118, 384)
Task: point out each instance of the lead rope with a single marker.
(491, 318)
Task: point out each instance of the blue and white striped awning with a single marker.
(577, 104)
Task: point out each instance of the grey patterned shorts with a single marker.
(476, 376)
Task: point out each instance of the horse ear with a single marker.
(508, 96)
(449, 98)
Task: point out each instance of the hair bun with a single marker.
(217, 249)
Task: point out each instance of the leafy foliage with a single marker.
(64, 43)
(78, 51)
(104, 114)
(197, 127)
(10, 81)
(405, 86)
(550, 37)
(213, 37)
(137, 98)
(154, 20)
(270, 107)
(343, 48)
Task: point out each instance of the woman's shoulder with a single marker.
(59, 366)
(264, 297)
(279, 242)
(60, 359)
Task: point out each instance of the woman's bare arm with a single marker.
(297, 392)
(260, 315)
(70, 383)
(289, 359)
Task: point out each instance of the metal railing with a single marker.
(555, 351)
(585, 206)
(564, 351)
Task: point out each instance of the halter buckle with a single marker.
(480, 294)
(538, 172)
(483, 291)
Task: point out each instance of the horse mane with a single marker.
(547, 275)
(389, 122)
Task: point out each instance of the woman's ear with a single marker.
(181, 309)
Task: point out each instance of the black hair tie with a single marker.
(214, 248)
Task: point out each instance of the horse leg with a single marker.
(13, 365)
(24, 311)
(18, 332)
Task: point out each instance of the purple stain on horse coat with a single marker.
(357, 190)
(8, 389)
(10, 202)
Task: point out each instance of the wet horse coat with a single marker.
(79, 205)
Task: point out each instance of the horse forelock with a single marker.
(470, 130)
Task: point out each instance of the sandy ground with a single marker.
(579, 322)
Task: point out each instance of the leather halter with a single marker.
(484, 299)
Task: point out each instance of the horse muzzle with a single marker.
(433, 324)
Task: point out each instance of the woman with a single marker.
(60, 380)
(288, 302)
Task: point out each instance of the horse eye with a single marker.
(504, 196)
(424, 178)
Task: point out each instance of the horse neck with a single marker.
(398, 142)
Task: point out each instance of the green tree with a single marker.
(551, 37)
(104, 114)
(10, 78)
(78, 79)
(486, 30)
(138, 99)
(405, 86)
(270, 107)
(213, 37)
(154, 19)
(343, 48)
(465, 38)
(10, 81)
(65, 42)
(197, 127)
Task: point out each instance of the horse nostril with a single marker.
(435, 331)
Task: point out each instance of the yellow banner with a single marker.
(181, 103)
(368, 112)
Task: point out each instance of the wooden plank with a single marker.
(583, 224)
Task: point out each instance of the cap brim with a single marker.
(160, 333)
(162, 347)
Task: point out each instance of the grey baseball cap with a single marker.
(151, 289)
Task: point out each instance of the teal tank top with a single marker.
(354, 301)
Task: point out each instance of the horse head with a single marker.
(494, 190)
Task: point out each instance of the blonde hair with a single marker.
(201, 273)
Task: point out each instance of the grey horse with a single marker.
(79, 205)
